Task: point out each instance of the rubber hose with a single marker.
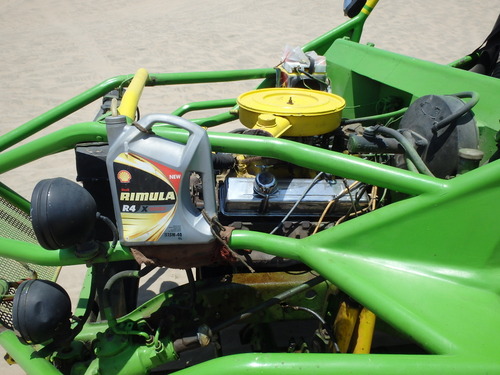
(223, 161)
(399, 112)
(406, 144)
(474, 98)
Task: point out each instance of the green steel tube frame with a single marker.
(38, 123)
(26, 356)
(433, 267)
(409, 262)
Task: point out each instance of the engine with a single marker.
(175, 204)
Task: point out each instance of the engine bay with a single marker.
(333, 218)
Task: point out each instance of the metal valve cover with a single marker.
(237, 197)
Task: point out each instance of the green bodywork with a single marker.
(427, 265)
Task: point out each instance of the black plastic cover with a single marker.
(441, 153)
(63, 213)
(41, 311)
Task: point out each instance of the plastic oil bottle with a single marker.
(149, 177)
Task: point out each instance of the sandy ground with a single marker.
(55, 49)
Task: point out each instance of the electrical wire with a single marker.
(279, 298)
(112, 227)
(373, 198)
(356, 213)
(313, 182)
(318, 317)
(330, 203)
(300, 70)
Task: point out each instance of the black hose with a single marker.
(222, 161)
(88, 309)
(474, 98)
(405, 143)
(112, 227)
(81, 320)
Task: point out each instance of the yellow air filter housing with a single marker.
(291, 112)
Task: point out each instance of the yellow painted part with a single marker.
(370, 4)
(275, 125)
(291, 101)
(344, 325)
(309, 112)
(365, 332)
(130, 100)
(241, 168)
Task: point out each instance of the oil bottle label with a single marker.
(147, 195)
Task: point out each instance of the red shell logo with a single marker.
(124, 176)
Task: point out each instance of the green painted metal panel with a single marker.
(362, 72)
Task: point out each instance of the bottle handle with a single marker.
(198, 142)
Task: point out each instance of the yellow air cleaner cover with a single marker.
(298, 112)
